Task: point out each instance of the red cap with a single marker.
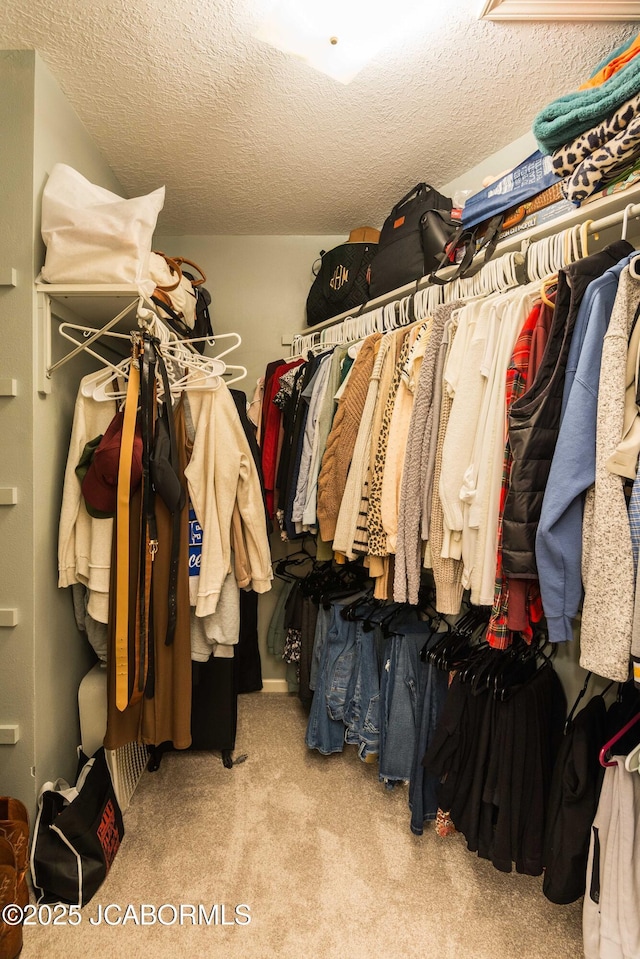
(100, 484)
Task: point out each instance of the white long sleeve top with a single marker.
(465, 382)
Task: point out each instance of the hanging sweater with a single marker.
(398, 433)
(447, 572)
(349, 514)
(605, 639)
(84, 543)
(433, 419)
(342, 439)
(414, 479)
(220, 473)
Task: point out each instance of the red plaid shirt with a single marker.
(498, 633)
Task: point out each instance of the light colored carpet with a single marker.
(320, 852)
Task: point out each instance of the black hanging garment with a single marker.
(247, 666)
(214, 705)
(575, 788)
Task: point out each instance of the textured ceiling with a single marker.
(248, 140)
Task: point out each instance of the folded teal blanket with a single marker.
(569, 116)
(611, 56)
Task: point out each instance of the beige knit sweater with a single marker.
(416, 467)
(447, 573)
(342, 439)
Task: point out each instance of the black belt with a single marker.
(175, 513)
(144, 675)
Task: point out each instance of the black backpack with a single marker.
(414, 234)
(342, 281)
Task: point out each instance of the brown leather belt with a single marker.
(122, 537)
(135, 679)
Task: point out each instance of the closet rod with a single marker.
(631, 211)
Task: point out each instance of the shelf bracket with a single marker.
(45, 368)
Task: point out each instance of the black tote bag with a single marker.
(77, 834)
(342, 282)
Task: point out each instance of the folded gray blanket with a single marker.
(567, 158)
(603, 164)
(566, 118)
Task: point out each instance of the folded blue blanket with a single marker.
(567, 117)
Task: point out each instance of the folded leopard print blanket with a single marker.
(604, 164)
(567, 158)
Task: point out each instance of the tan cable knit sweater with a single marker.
(342, 439)
(416, 465)
(350, 509)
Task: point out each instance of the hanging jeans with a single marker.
(399, 689)
(362, 715)
(432, 692)
(323, 623)
(335, 656)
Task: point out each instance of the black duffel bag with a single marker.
(414, 234)
(342, 278)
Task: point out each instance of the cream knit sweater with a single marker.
(220, 474)
(607, 616)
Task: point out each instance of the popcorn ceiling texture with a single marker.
(250, 141)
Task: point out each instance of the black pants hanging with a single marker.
(214, 705)
(247, 663)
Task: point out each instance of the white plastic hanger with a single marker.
(632, 762)
(625, 220)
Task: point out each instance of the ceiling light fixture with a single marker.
(339, 37)
(583, 10)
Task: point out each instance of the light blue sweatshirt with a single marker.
(559, 536)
